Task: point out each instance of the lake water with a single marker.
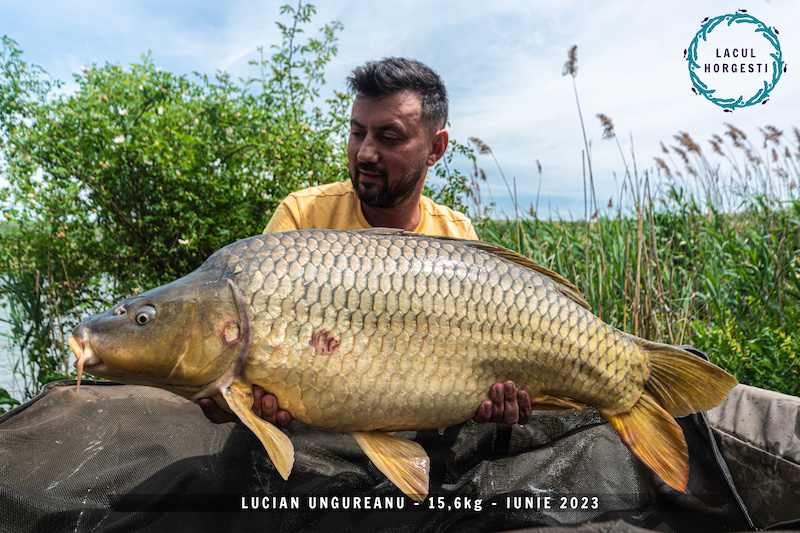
(12, 383)
(6, 376)
(8, 380)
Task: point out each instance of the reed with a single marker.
(704, 249)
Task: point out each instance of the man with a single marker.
(397, 131)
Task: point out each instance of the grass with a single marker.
(727, 285)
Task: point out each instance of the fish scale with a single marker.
(380, 330)
(434, 298)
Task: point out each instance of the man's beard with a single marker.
(387, 195)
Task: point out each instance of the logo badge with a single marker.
(735, 60)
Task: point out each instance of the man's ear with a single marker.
(438, 146)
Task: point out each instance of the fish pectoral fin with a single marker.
(278, 446)
(656, 439)
(404, 462)
(547, 402)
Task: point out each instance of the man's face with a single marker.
(389, 148)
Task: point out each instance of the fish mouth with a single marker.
(84, 355)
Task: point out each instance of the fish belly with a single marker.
(355, 332)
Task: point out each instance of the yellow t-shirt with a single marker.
(336, 206)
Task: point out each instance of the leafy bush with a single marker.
(140, 174)
(153, 172)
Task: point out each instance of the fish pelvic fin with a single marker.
(278, 446)
(656, 439)
(546, 402)
(683, 383)
(404, 462)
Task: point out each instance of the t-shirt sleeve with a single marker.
(285, 218)
(471, 234)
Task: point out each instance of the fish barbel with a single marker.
(375, 331)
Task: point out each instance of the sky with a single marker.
(502, 62)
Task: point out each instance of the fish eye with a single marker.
(145, 315)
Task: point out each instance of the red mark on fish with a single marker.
(323, 343)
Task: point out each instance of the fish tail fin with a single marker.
(680, 383)
(656, 439)
(683, 383)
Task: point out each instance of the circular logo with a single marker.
(735, 60)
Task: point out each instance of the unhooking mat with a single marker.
(758, 432)
(116, 458)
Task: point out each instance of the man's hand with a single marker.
(265, 405)
(506, 404)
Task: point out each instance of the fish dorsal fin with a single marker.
(566, 287)
(278, 446)
(404, 462)
(385, 231)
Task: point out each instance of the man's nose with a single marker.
(368, 151)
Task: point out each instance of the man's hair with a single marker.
(394, 74)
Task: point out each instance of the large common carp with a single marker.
(375, 331)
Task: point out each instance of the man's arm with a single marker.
(506, 404)
(265, 405)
